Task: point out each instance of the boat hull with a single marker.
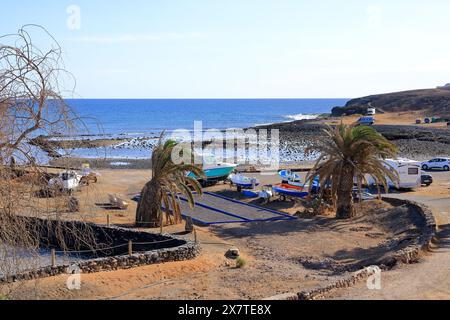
(216, 173)
(290, 190)
(244, 182)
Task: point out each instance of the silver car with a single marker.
(441, 163)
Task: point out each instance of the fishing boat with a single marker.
(219, 171)
(288, 175)
(243, 182)
(214, 171)
(286, 189)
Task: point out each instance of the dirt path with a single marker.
(429, 279)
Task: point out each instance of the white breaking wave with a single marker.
(301, 116)
(291, 117)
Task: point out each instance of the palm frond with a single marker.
(168, 180)
(356, 149)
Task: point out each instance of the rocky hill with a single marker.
(435, 102)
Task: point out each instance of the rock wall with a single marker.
(148, 249)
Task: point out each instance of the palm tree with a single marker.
(349, 155)
(160, 195)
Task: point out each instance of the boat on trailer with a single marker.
(214, 171)
(243, 182)
(288, 175)
(289, 190)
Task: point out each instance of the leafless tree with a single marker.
(31, 104)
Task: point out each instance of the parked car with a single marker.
(427, 120)
(427, 179)
(366, 121)
(442, 163)
(448, 123)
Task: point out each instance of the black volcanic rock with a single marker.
(434, 101)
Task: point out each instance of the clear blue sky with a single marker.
(245, 48)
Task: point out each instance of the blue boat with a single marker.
(250, 194)
(288, 175)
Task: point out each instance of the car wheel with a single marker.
(425, 167)
(446, 168)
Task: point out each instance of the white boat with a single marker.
(243, 182)
(292, 178)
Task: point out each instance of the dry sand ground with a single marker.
(429, 279)
(272, 250)
(393, 118)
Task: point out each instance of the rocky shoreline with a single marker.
(412, 141)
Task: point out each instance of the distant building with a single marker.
(446, 87)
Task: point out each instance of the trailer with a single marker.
(408, 173)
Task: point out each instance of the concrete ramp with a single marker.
(215, 209)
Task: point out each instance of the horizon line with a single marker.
(206, 98)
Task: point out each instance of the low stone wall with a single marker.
(159, 248)
(407, 255)
(413, 252)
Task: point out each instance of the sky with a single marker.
(243, 48)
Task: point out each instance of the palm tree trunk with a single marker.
(147, 209)
(345, 207)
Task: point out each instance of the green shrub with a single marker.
(240, 262)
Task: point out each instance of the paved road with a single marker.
(429, 279)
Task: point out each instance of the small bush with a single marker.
(240, 262)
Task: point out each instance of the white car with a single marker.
(67, 180)
(437, 163)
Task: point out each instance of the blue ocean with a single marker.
(146, 117)
(142, 121)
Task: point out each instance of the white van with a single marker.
(408, 172)
(371, 111)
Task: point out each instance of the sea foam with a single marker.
(301, 116)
